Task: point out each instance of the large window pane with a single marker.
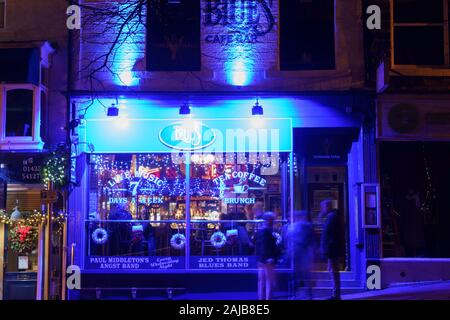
(416, 11)
(139, 200)
(2, 14)
(19, 112)
(307, 35)
(419, 45)
(229, 193)
(173, 35)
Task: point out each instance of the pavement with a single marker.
(438, 290)
(407, 291)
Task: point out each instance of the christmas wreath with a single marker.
(178, 241)
(23, 238)
(100, 236)
(218, 239)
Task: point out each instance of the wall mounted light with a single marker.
(257, 109)
(185, 109)
(113, 111)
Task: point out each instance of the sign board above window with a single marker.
(119, 135)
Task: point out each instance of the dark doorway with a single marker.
(415, 181)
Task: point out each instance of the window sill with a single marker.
(412, 71)
(274, 74)
(20, 143)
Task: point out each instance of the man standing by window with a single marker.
(331, 244)
(267, 254)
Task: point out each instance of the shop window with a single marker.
(2, 13)
(19, 112)
(138, 215)
(26, 199)
(138, 203)
(419, 32)
(228, 199)
(173, 35)
(414, 199)
(307, 35)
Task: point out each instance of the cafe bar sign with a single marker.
(205, 135)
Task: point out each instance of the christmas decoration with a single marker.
(34, 218)
(427, 206)
(54, 169)
(100, 236)
(23, 238)
(178, 241)
(218, 239)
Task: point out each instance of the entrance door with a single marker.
(327, 183)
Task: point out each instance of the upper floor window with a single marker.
(19, 112)
(420, 32)
(23, 80)
(2, 13)
(173, 35)
(307, 35)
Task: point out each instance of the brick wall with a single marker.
(251, 64)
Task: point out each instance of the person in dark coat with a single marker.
(300, 238)
(120, 232)
(331, 244)
(267, 254)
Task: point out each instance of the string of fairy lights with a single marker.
(430, 193)
(171, 174)
(54, 169)
(34, 219)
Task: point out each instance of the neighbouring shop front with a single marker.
(23, 227)
(414, 153)
(178, 194)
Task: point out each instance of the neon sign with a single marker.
(187, 135)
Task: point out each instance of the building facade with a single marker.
(410, 66)
(33, 114)
(190, 113)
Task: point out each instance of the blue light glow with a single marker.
(240, 65)
(127, 78)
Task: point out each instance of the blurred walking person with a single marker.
(331, 244)
(267, 254)
(300, 244)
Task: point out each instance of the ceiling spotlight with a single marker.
(113, 111)
(257, 109)
(185, 109)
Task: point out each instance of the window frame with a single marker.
(312, 71)
(22, 142)
(286, 193)
(3, 27)
(426, 70)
